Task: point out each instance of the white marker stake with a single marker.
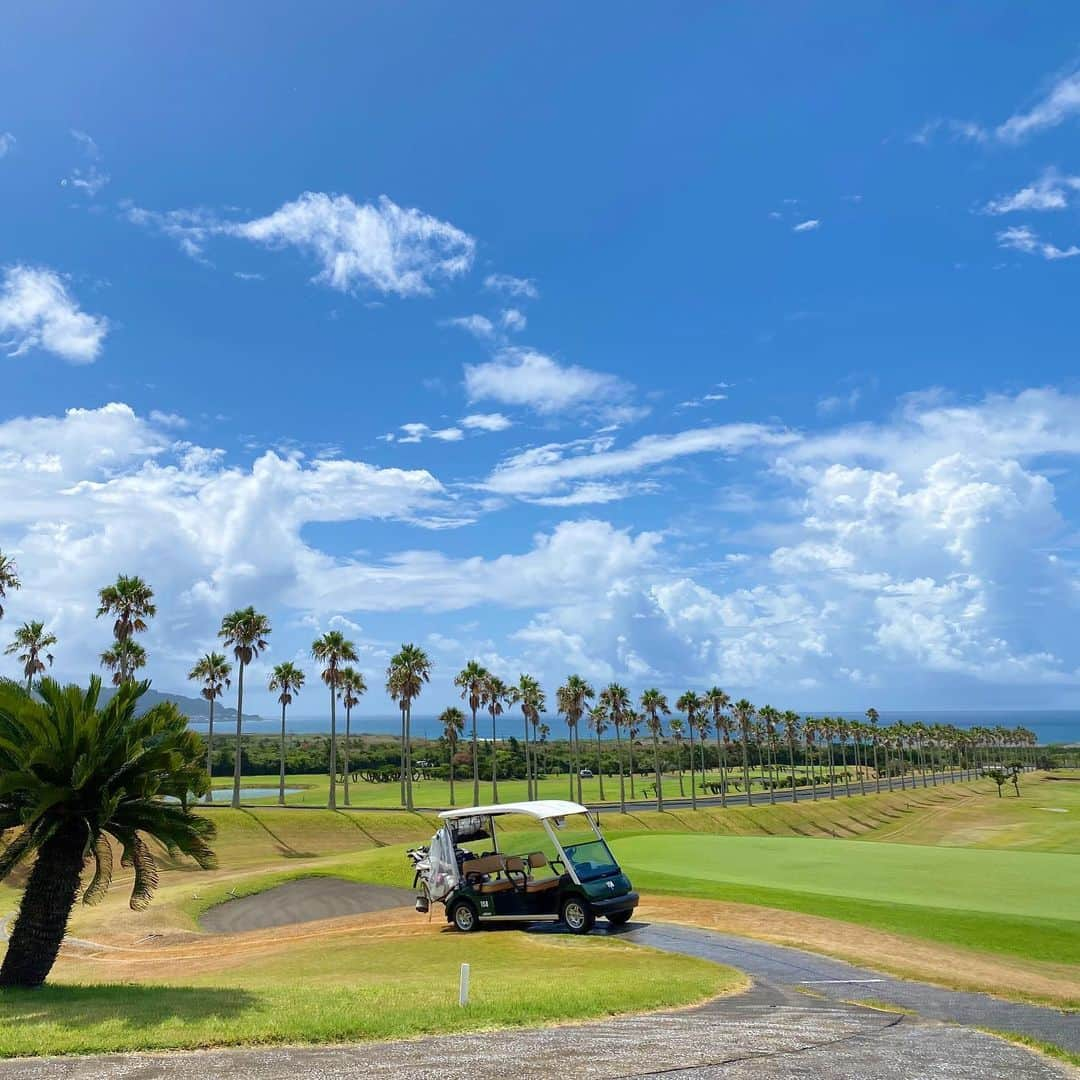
(463, 986)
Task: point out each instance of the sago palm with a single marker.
(286, 679)
(72, 776)
(212, 671)
(246, 630)
(333, 651)
(30, 645)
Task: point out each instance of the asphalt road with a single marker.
(796, 1022)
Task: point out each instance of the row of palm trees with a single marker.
(246, 632)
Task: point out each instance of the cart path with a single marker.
(774, 1029)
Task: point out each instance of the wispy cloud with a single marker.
(1021, 238)
(91, 178)
(512, 286)
(416, 432)
(513, 320)
(486, 422)
(7, 143)
(1056, 106)
(1052, 191)
(38, 312)
(478, 325)
(807, 226)
(379, 245)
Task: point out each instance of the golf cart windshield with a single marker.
(591, 860)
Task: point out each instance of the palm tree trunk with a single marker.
(832, 772)
(475, 764)
(720, 764)
(281, 761)
(812, 767)
(332, 803)
(678, 762)
(693, 769)
(791, 762)
(452, 803)
(494, 763)
(577, 761)
(401, 754)
(877, 774)
(45, 908)
(528, 773)
(570, 760)
(771, 744)
(858, 768)
(345, 770)
(622, 781)
(656, 764)
(210, 754)
(599, 767)
(630, 750)
(408, 755)
(746, 764)
(239, 723)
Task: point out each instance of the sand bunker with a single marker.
(303, 901)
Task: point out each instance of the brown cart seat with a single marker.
(537, 860)
(475, 869)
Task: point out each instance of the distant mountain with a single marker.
(194, 708)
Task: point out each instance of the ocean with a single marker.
(1050, 726)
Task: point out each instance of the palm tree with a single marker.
(811, 728)
(719, 702)
(123, 659)
(409, 669)
(31, 642)
(690, 704)
(542, 732)
(872, 719)
(131, 602)
(9, 579)
(531, 698)
(704, 727)
(333, 650)
(213, 671)
(246, 630)
(675, 726)
(286, 679)
(453, 724)
(598, 716)
(744, 714)
(496, 693)
(770, 717)
(654, 704)
(571, 699)
(351, 687)
(828, 729)
(471, 680)
(74, 776)
(791, 729)
(633, 730)
(616, 699)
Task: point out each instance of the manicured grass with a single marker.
(357, 988)
(1016, 903)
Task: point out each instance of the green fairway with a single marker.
(1022, 903)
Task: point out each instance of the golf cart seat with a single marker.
(476, 870)
(534, 885)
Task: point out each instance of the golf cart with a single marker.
(565, 874)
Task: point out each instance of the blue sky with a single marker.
(678, 345)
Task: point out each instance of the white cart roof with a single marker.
(540, 810)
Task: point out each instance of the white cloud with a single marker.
(835, 403)
(376, 245)
(512, 286)
(478, 325)
(91, 179)
(1061, 102)
(416, 432)
(1051, 191)
(486, 422)
(7, 143)
(513, 320)
(246, 276)
(527, 378)
(1021, 238)
(450, 434)
(555, 470)
(807, 226)
(38, 312)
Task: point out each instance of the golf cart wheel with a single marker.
(619, 918)
(577, 915)
(463, 916)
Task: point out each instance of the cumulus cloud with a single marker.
(37, 311)
(526, 378)
(1021, 238)
(486, 422)
(479, 326)
(380, 245)
(1052, 191)
(513, 320)
(512, 286)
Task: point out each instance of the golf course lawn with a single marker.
(355, 985)
(1016, 902)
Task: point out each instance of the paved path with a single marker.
(773, 1031)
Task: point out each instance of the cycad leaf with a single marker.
(103, 870)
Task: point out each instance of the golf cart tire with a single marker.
(463, 916)
(577, 915)
(619, 918)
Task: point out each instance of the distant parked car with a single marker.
(585, 774)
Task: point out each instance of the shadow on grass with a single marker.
(284, 847)
(121, 1006)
